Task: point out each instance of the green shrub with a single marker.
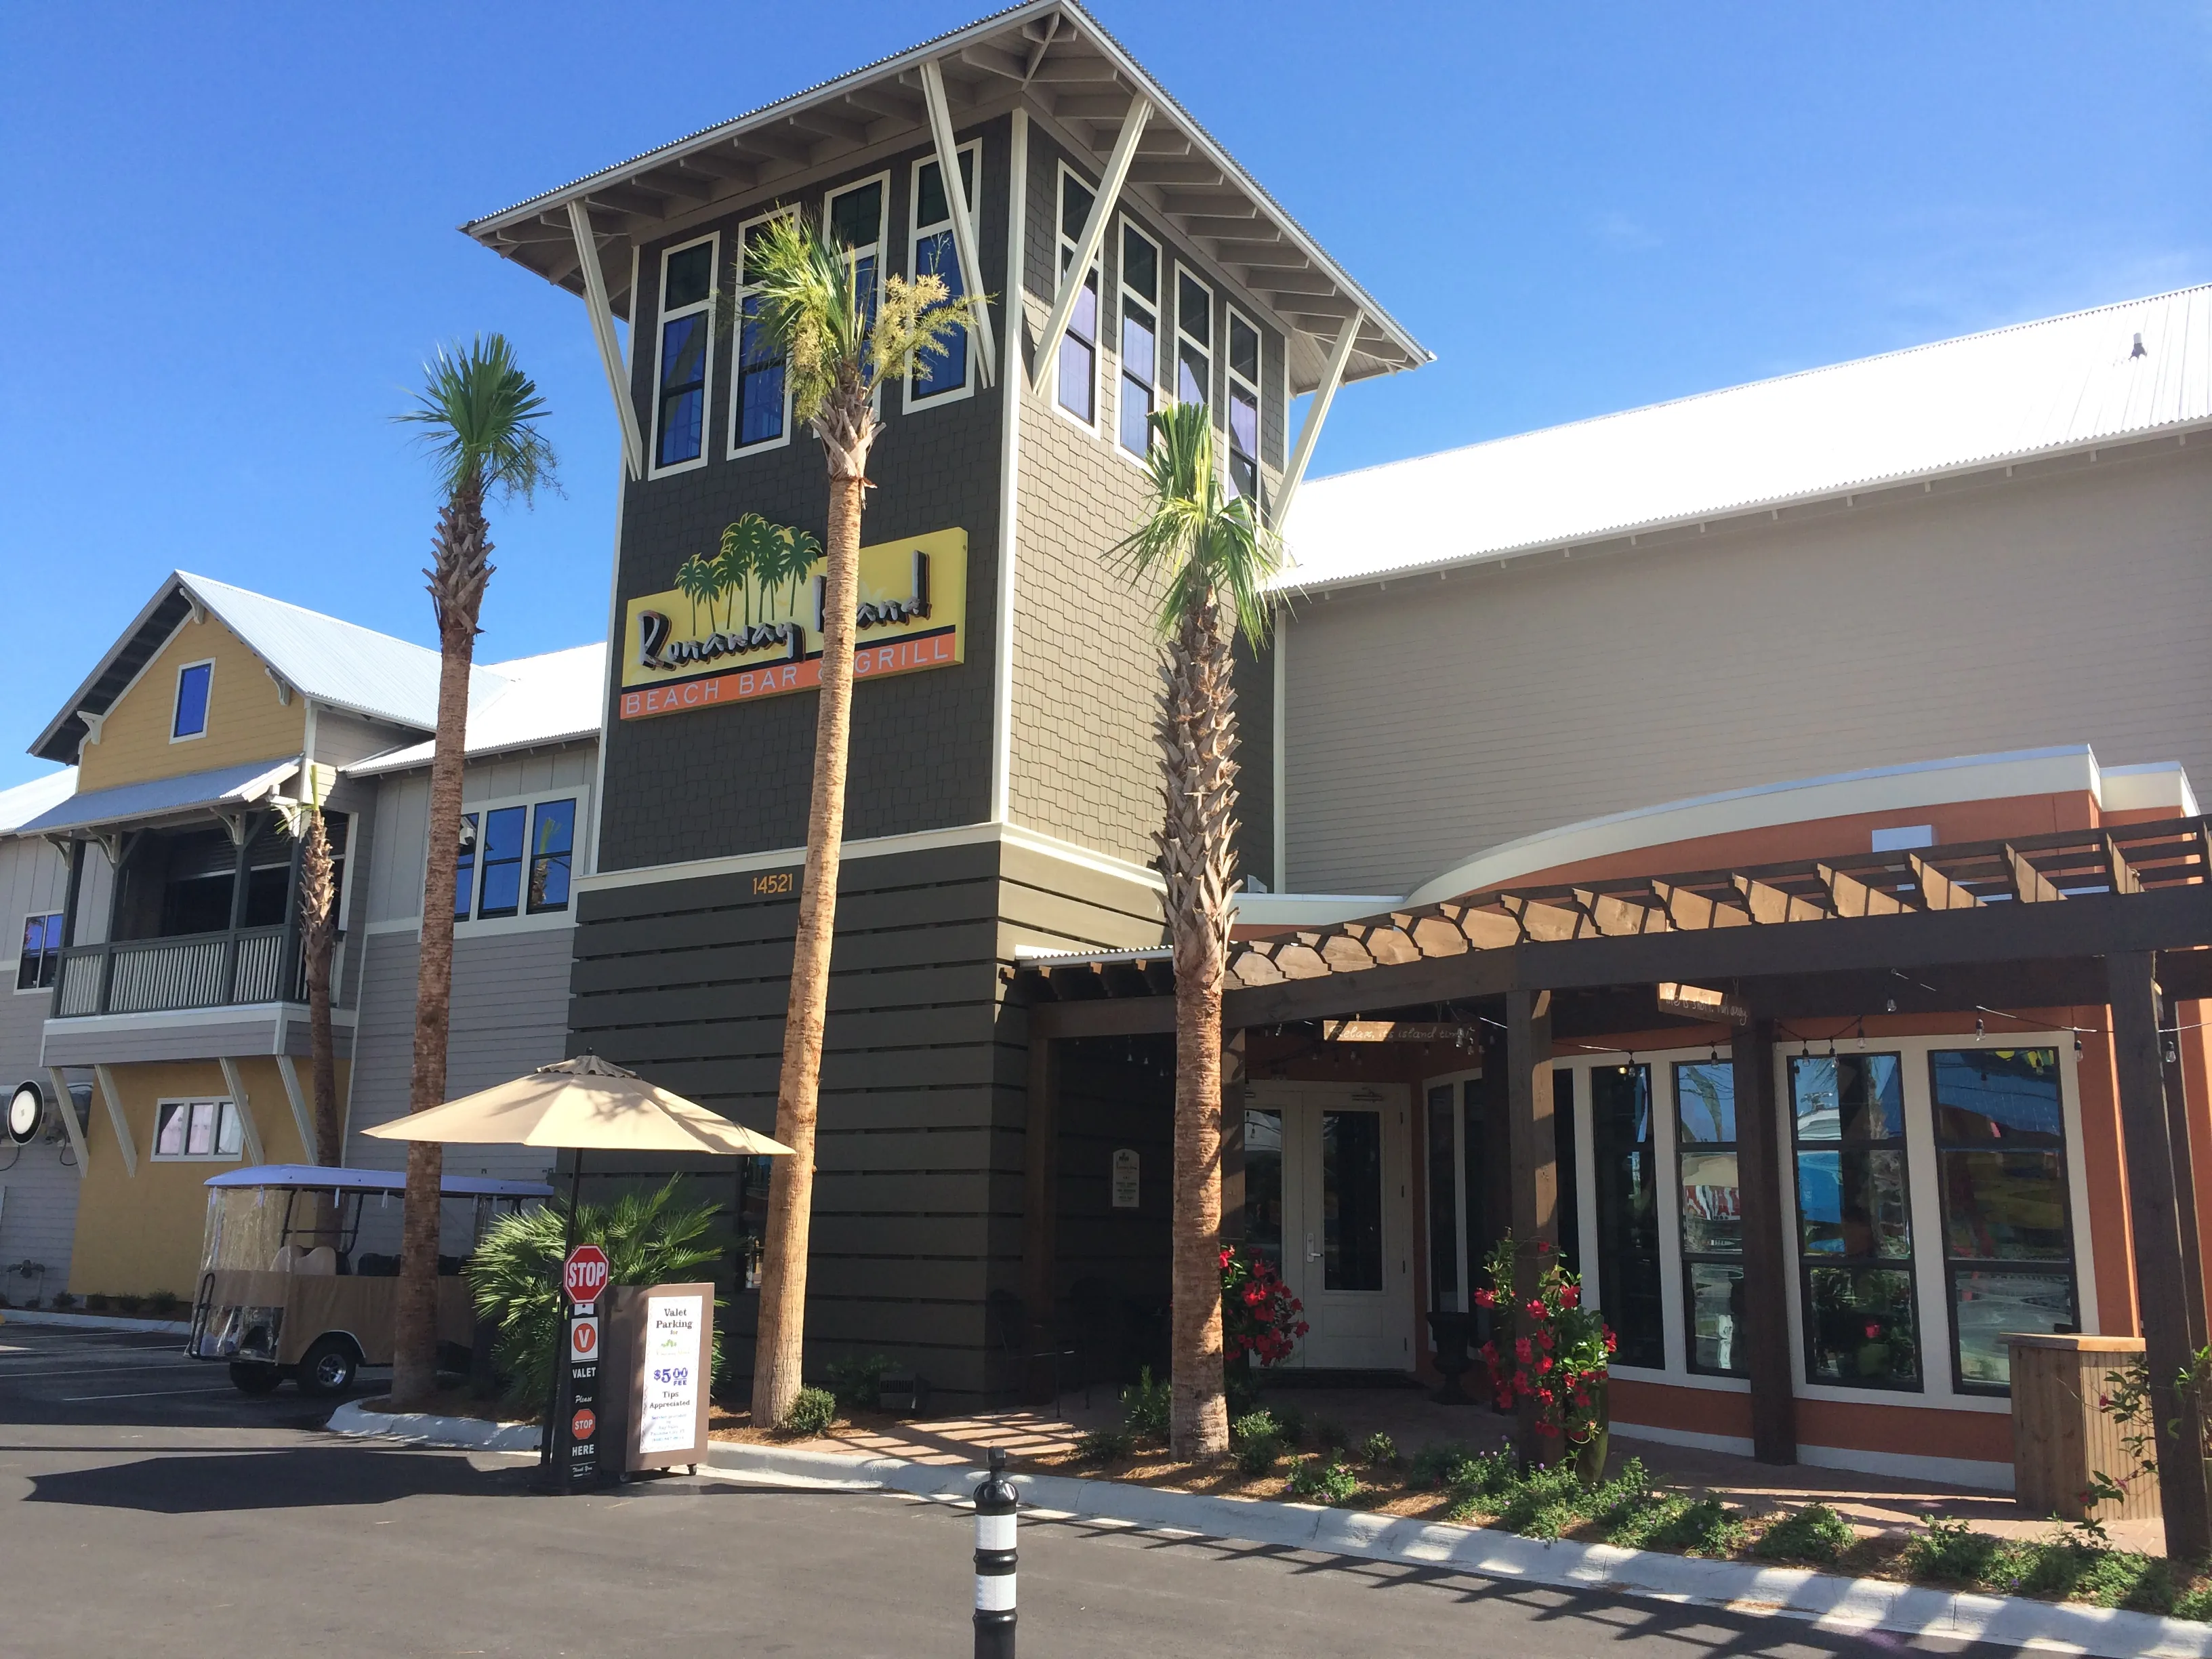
(164, 1305)
(1290, 1423)
(1324, 1480)
(1620, 1496)
(2075, 1567)
(1671, 1521)
(2195, 1603)
(812, 1411)
(1254, 1425)
(1102, 1446)
(95, 1303)
(1145, 1405)
(1257, 1454)
(1543, 1503)
(1815, 1533)
(1950, 1551)
(516, 1271)
(1431, 1466)
(856, 1382)
(63, 1301)
(129, 1305)
(1380, 1451)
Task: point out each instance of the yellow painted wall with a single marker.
(137, 1234)
(245, 722)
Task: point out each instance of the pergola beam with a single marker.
(603, 330)
(963, 223)
(1094, 233)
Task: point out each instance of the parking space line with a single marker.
(147, 1394)
(98, 1370)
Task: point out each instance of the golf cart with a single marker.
(288, 1290)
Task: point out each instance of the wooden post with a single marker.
(2175, 1088)
(1766, 1259)
(2159, 1268)
(1532, 1138)
(1041, 1180)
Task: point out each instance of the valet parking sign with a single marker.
(576, 1418)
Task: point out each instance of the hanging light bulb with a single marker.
(1978, 1027)
(2077, 1045)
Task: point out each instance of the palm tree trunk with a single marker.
(458, 573)
(1197, 736)
(779, 1349)
(318, 940)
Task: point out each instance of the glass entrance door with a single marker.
(1325, 1170)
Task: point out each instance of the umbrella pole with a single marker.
(560, 1321)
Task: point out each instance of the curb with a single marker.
(1821, 1599)
(421, 1428)
(93, 1321)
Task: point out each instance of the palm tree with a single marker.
(1209, 558)
(479, 414)
(696, 580)
(789, 554)
(318, 933)
(839, 345)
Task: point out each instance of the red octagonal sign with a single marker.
(585, 1273)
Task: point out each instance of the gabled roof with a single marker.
(339, 663)
(556, 697)
(2118, 372)
(192, 795)
(1052, 55)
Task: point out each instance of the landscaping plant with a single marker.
(1815, 1534)
(1325, 1479)
(1559, 1359)
(812, 1411)
(515, 1274)
(1257, 1441)
(857, 1383)
(1147, 1406)
(1380, 1451)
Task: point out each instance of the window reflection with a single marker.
(1854, 1216)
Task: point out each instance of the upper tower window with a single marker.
(1078, 369)
(854, 218)
(934, 250)
(1140, 337)
(760, 398)
(1244, 408)
(193, 681)
(687, 285)
(1193, 340)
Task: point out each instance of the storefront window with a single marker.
(1263, 1184)
(1352, 1200)
(1712, 1215)
(1854, 1220)
(1627, 1212)
(1443, 1206)
(2007, 1235)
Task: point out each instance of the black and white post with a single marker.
(994, 1562)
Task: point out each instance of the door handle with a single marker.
(1312, 1254)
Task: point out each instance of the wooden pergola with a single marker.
(2120, 916)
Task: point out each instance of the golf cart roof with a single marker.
(319, 1178)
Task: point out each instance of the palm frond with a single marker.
(1202, 545)
(480, 414)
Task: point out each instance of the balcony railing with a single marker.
(197, 970)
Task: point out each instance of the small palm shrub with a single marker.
(812, 1411)
(515, 1274)
(1324, 1480)
(1815, 1534)
(1144, 1406)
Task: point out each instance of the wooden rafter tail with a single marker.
(1620, 918)
(2117, 871)
(1853, 897)
(1489, 930)
(1546, 923)
(1344, 954)
(1768, 903)
(2029, 884)
(1434, 935)
(1937, 891)
(1693, 912)
(1249, 968)
(1298, 959)
(1390, 946)
(1078, 982)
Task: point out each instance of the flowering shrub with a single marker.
(1557, 1350)
(1258, 1315)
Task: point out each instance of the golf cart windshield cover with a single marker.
(319, 1179)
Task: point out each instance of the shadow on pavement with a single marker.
(309, 1477)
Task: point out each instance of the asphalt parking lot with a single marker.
(145, 1506)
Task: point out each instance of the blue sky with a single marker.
(231, 242)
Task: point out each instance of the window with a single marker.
(552, 839)
(1244, 408)
(1263, 1184)
(1193, 340)
(1140, 337)
(42, 952)
(196, 1129)
(1078, 369)
(854, 218)
(932, 248)
(1712, 1215)
(193, 680)
(760, 396)
(1854, 1220)
(1626, 1204)
(2007, 1235)
(1443, 1199)
(687, 324)
(502, 859)
(516, 858)
(465, 868)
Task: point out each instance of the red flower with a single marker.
(1253, 1295)
(1486, 1298)
(1570, 1296)
(1873, 1331)
(1301, 1328)
(1544, 1364)
(1228, 1255)
(1543, 1246)
(1534, 1309)
(1522, 1349)
(1612, 1342)
(1544, 1338)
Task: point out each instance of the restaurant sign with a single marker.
(747, 622)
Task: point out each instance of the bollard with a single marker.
(994, 1562)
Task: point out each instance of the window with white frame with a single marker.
(1244, 408)
(684, 369)
(42, 952)
(1140, 339)
(1854, 1220)
(933, 250)
(1076, 371)
(854, 220)
(1712, 1217)
(516, 858)
(1193, 340)
(194, 681)
(197, 1131)
(760, 391)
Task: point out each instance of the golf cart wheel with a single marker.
(328, 1366)
(248, 1377)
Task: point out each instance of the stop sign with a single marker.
(585, 1274)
